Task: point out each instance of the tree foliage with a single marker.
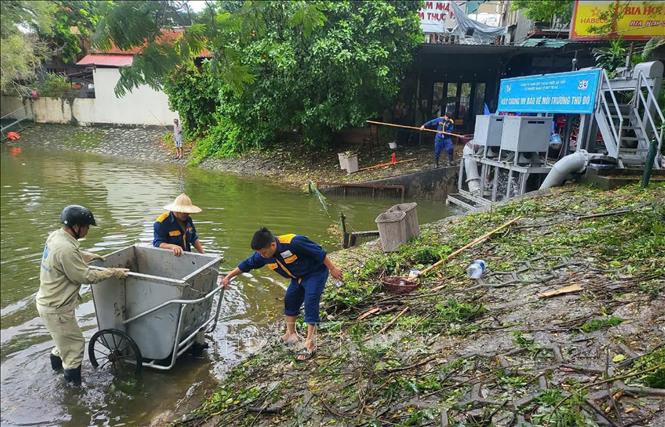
(545, 10)
(193, 93)
(297, 70)
(74, 23)
(20, 50)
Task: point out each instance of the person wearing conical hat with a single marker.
(174, 229)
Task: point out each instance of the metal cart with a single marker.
(152, 317)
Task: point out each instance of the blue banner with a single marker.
(564, 93)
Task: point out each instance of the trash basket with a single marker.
(352, 164)
(348, 161)
(343, 160)
(392, 230)
(412, 228)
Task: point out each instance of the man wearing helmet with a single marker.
(63, 269)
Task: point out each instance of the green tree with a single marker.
(20, 50)
(75, 22)
(545, 10)
(277, 68)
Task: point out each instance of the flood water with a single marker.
(125, 198)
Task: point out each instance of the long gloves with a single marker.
(91, 256)
(116, 273)
(119, 273)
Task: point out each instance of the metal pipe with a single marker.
(571, 163)
(219, 306)
(471, 168)
(173, 301)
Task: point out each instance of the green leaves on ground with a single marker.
(602, 323)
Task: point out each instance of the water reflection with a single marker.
(125, 198)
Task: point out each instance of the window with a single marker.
(479, 98)
(451, 99)
(437, 97)
(464, 100)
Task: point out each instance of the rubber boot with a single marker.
(73, 376)
(56, 362)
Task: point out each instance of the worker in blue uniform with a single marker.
(307, 265)
(174, 229)
(442, 141)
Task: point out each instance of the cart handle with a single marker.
(174, 301)
(145, 276)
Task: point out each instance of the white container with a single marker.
(488, 130)
(352, 164)
(412, 227)
(392, 145)
(348, 161)
(392, 230)
(343, 160)
(522, 134)
(476, 269)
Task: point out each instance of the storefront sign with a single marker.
(633, 20)
(436, 17)
(564, 93)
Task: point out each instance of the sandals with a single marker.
(304, 355)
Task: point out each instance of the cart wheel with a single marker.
(115, 349)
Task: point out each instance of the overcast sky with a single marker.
(197, 5)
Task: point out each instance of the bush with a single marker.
(222, 140)
(54, 85)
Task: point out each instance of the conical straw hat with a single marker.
(183, 204)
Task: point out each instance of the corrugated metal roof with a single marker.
(107, 60)
(167, 37)
(553, 43)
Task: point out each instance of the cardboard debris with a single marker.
(561, 291)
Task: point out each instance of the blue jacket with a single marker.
(296, 257)
(166, 229)
(441, 125)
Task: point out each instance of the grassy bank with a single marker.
(492, 352)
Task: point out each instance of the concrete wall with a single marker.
(432, 184)
(16, 106)
(142, 106)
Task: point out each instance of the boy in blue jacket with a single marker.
(294, 257)
(441, 141)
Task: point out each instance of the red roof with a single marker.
(167, 37)
(107, 60)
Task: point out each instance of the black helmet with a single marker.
(77, 215)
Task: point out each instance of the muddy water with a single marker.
(125, 198)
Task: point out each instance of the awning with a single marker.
(107, 60)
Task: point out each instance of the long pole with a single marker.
(413, 127)
(467, 246)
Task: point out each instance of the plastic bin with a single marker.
(348, 161)
(412, 227)
(392, 230)
(352, 164)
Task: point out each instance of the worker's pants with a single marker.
(65, 331)
(439, 146)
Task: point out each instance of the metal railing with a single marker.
(616, 133)
(650, 104)
(15, 119)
